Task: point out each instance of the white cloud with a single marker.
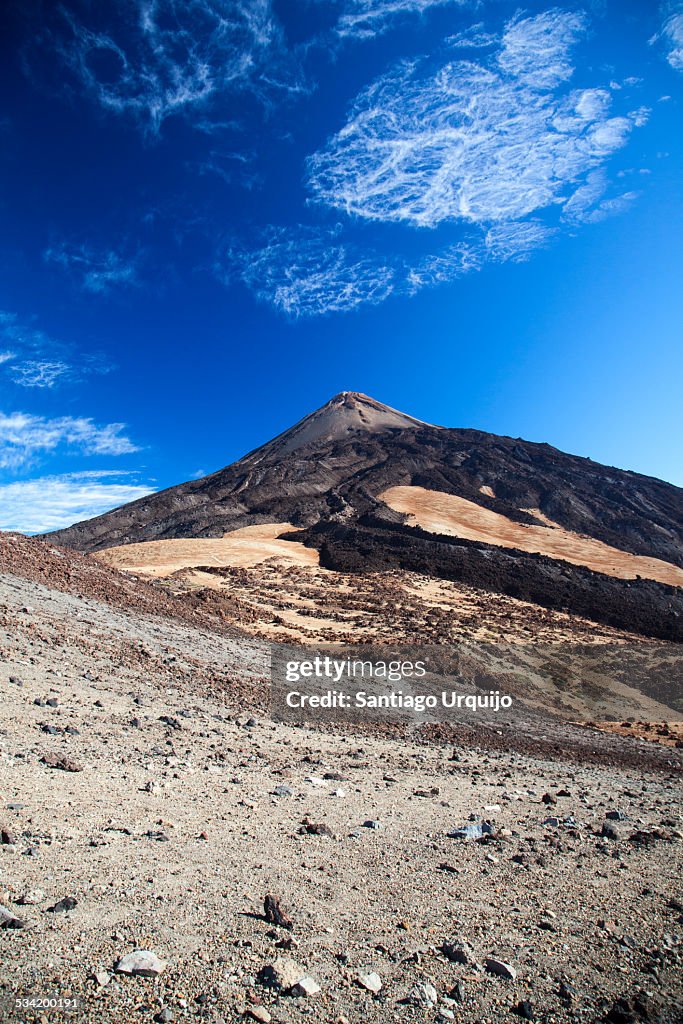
(158, 58)
(307, 273)
(34, 359)
(98, 270)
(537, 50)
(476, 143)
(55, 502)
(473, 38)
(672, 34)
(364, 19)
(517, 240)
(40, 373)
(23, 436)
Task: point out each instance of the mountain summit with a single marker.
(368, 487)
(349, 412)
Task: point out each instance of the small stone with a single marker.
(16, 681)
(52, 702)
(62, 762)
(549, 799)
(141, 962)
(372, 823)
(334, 777)
(370, 981)
(9, 920)
(282, 974)
(274, 914)
(101, 978)
(165, 1016)
(500, 968)
(472, 831)
(7, 838)
(68, 903)
(424, 995)
(31, 898)
(616, 816)
(458, 952)
(306, 986)
(316, 828)
(283, 791)
(608, 831)
(258, 1013)
(524, 1009)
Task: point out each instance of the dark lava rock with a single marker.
(274, 914)
(68, 903)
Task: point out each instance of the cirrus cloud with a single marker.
(473, 142)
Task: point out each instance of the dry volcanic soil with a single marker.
(170, 853)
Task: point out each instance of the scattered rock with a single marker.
(101, 978)
(524, 1009)
(68, 903)
(62, 762)
(274, 913)
(306, 986)
(371, 823)
(475, 830)
(7, 838)
(31, 898)
(424, 995)
(608, 831)
(258, 1013)
(282, 974)
(495, 966)
(316, 828)
(458, 952)
(165, 1016)
(548, 798)
(10, 920)
(370, 981)
(283, 791)
(141, 962)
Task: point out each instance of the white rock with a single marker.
(258, 1013)
(423, 995)
(31, 898)
(306, 986)
(142, 962)
(313, 780)
(370, 981)
(283, 973)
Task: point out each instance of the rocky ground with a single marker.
(146, 805)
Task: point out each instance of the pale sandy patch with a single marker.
(240, 549)
(448, 514)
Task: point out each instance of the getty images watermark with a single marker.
(378, 683)
(475, 683)
(376, 673)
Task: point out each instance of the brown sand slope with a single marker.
(239, 549)
(448, 514)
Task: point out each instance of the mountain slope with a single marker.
(334, 464)
(357, 487)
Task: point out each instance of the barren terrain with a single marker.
(185, 806)
(449, 514)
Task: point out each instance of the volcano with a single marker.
(359, 486)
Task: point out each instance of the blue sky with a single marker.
(216, 215)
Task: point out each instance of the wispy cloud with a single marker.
(40, 373)
(501, 150)
(34, 359)
(155, 58)
(472, 142)
(55, 502)
(671, 34)
(97, 270)
(23, 436)
(364, 19)
(306, 272)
